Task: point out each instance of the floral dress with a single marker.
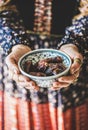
(46, 109)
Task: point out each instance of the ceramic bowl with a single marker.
(40, 54)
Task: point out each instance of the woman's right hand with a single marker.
(14, 72)
(77, 60)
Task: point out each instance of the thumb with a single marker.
(12, 64)
(77, 62)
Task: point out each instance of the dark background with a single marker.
(63, 11)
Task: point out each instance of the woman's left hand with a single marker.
(77, 60)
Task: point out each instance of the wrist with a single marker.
(21, 47)
(69, 46)
(77, 46)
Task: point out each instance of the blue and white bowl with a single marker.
(40, 54)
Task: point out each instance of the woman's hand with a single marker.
(14, 72)
(77, 60)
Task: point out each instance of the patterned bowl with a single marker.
(40, 54)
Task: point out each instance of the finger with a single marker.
(76, 65)
(10, 74)
(59, 85)
(28, 85)
(70, 78)
(33, 85)
(12, 64)
(21, 78)
(76, 74)
(67, 79)
(24, 81)
(18, 77)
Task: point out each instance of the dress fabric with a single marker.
(65, 109)
(77, 34)
(46, 109)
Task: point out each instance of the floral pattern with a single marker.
(12, 32)
(77, 34)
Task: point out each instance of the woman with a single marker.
(48, 109)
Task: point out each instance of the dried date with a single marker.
(38, 74)
(27, 66)
(46, 67)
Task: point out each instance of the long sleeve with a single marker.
(77, 34)
(12, 30)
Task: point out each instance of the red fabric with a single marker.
(18, 114)
(1, 110)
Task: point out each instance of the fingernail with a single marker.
(36, 88)
(16, 71)
(27, 79)
(53, 88)
(72, 71)
(60, 79)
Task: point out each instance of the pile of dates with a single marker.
(45, 67)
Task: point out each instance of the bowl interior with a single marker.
(40, 54)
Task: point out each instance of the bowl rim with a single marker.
(47, 77)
